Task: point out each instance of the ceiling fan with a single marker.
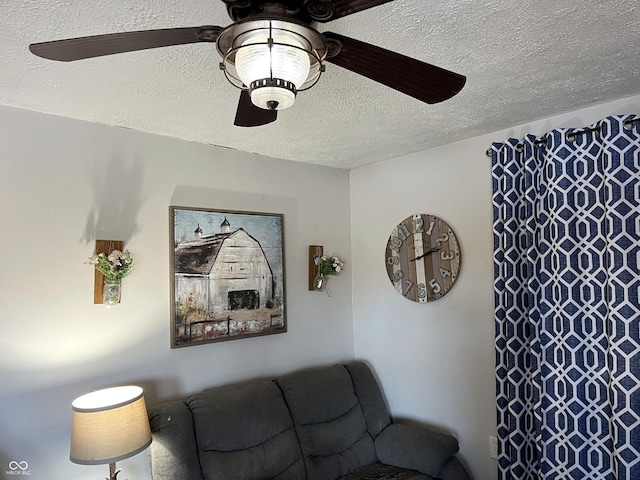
(272, 51)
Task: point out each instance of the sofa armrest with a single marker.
(173, 451)
(454, 470)
(415, 448)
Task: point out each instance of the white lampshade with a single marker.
(257, 60)
(109, 425)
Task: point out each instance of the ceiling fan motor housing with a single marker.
(319, 10)
(307, 11)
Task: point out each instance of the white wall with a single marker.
(64, 183)
(436, 361)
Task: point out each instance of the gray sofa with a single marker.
(324, 423)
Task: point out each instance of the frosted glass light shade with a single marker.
(263, 96)
(257, 60)
(109, 425)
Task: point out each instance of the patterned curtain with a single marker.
(567, 275)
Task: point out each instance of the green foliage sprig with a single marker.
(114, 266)
(330, 265)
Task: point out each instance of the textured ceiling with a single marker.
(524, 60)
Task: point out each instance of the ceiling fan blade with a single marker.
(248, 115)
(420, 80)
(100, 45)
(332, 9)
(342, 8)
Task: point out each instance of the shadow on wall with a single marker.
(117, 198)
(161, 390)
(36, 425)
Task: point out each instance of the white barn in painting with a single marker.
(221, 272)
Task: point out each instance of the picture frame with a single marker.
(227, 275)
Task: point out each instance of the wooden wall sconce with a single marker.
(106, 247)
(315, 252)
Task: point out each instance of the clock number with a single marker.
(431, 225)
(443, 238)
(422, 290)
(434, 286)
(403, 231)
(407, 288)
(395, 243)
(418, 223)
(397, 276)
(393, 260)
(445, 273)
(449, 256)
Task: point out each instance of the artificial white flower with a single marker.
(330, 265)
(115, 266)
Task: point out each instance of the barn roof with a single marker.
(197, 256)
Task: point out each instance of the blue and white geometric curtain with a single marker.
(567, 276)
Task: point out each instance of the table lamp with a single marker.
(108, 426)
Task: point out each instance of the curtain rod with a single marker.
(571, 136)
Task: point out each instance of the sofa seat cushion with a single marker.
(380, 471)
(244, 431)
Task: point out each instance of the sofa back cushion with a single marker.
(244, 431)
(370, 396)
(329, 420)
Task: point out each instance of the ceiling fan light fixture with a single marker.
(273, 59)
(271, 96)
(272, 51)
(274, 64)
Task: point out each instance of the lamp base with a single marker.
(113, 473)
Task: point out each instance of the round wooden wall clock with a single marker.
(423, 258)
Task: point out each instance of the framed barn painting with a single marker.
(227, 275)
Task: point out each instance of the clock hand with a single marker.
(428, 252)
